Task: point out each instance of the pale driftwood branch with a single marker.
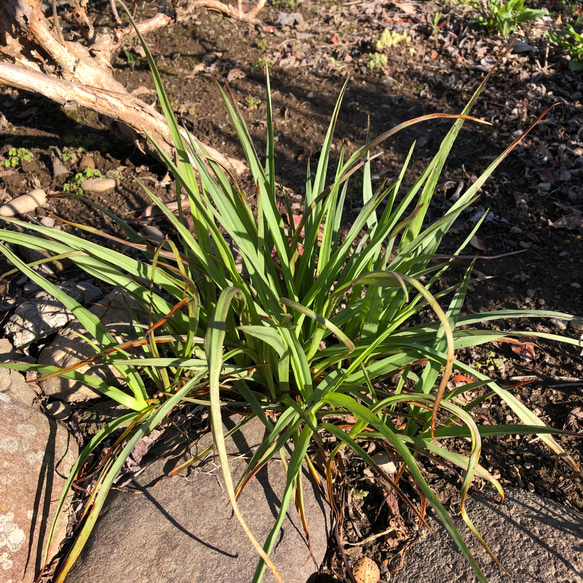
(38, 59)
(137, 117)
(187, 8)
(108, 44)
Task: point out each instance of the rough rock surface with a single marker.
(183, 530)
(36, 455)
(7, 351)
(536, 539)
(44, 315)
(67, 349)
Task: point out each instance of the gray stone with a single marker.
(44, 315)
(291, 19)
(36, 319)
(536, 539)
(184, 531)
(36, 456)
(67, 349)
(522, 47)
(559, 324)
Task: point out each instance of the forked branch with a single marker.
(35, 56)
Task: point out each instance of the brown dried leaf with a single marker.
(477, 243)
(569, 222)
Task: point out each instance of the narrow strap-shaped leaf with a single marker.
(214, 350)
(322, 321)
(364, 414)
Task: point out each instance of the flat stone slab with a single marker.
(183, 530)
(536, 539)
(36, 456)
(68, 349)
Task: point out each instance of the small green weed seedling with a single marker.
(69, 154)
(75, 186)
(131, 57)
(490, 361)
(16, 156)
(434, 24)
(377, 61)
(252, 102)
(503, 16)
(390, 38)
(262, 44)
(572, 42)
(262, 64)
(87, 141)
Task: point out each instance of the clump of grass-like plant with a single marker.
(308, 340)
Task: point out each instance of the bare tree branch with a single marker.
(186, 8)
(35, 57)
(134, 116)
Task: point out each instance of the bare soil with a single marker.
(535, 199)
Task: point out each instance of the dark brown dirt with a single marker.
(530, 197)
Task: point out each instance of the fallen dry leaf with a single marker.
(569, 222)
(477, 243)
(524, 349)
(460, 379)
(406, 7)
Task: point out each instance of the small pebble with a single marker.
(30, 288)
(576, 285)
(546, 186)
(560, 324)
(25, 203)
(576, 324)
(235, 74)
(515, 231)
(530, 487)
(48, 222)
(531, 292)
(525, 244)
(99, 184)
(385, 463)
(151, 232)
(563, 254)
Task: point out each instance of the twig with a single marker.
(115, 14)
(370, 538)
(56, 24)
